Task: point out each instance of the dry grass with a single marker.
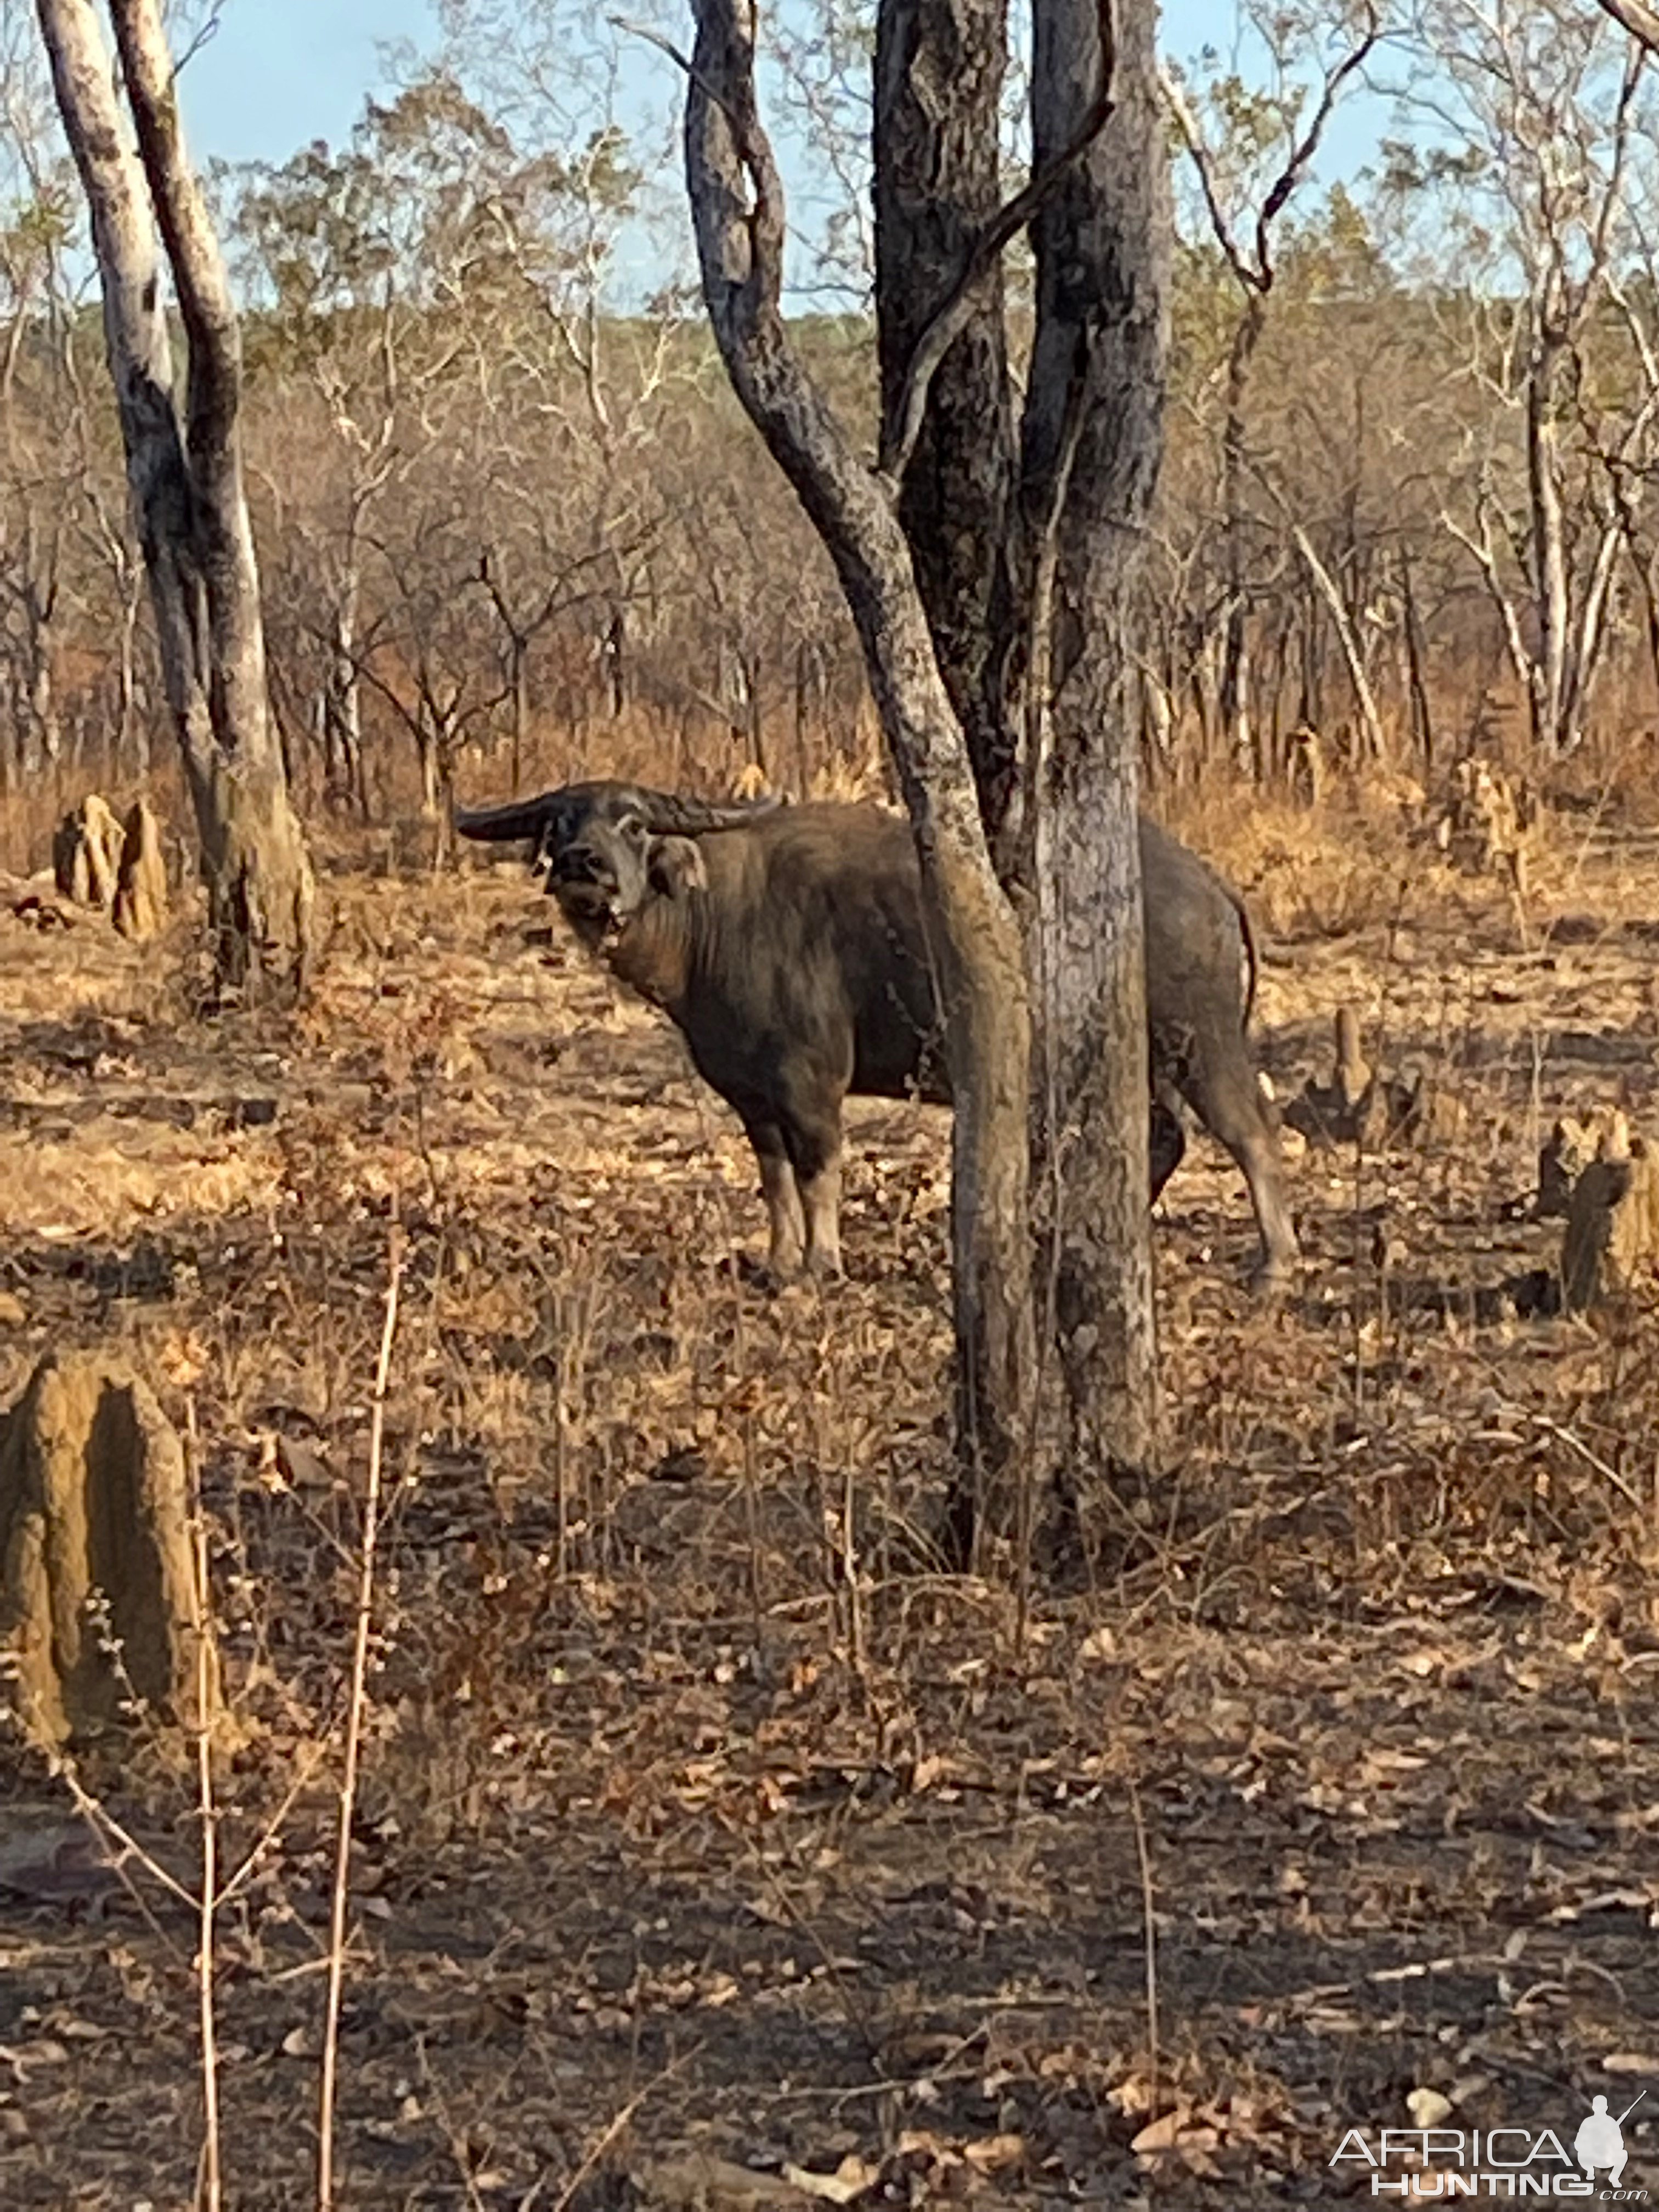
(669, 1839)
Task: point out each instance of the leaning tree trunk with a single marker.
(186, 482)
(1092, 446)
(737, 204)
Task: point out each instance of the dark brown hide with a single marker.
(797, 970)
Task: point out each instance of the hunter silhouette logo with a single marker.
(1423, 2164)
(1600, 2140)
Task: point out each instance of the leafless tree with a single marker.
(1553, 113)
(186, 479)
(1245, 236)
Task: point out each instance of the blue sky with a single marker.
(279, 73)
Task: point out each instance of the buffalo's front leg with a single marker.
(813, 1138)
(784, 1217)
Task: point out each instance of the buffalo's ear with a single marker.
(678, 867)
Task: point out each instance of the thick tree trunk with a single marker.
(738, 206)
(938, 183)
(187, 483)
(1029, 582)
(1093, 435)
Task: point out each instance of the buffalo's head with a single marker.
(609, 847)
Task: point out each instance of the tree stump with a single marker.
(1347, 1109)
(140, 909)
(86, 853)
(1361, 1105)
(98, 1604)
(1611, 1244)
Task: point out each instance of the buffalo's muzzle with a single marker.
(588, 900)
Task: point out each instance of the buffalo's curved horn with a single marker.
(666, 814)
(504, 825)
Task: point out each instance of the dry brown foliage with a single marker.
(703, 1823)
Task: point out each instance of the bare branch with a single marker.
(1257, 275)
(1636, 17)
(1204, 166)
(1303, 152)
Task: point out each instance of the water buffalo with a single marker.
(787, 943)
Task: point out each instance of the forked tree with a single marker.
(989, 560)
(185, 475)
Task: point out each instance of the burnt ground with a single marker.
(1336, 1780)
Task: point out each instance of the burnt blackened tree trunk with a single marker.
(185, 480)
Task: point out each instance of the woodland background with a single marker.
(509, 517)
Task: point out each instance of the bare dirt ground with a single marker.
(1337, 1781)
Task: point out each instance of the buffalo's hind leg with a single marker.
(784, 1217)
(1166, 1144)
(1228, 1100)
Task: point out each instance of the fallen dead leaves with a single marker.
(1374, 1657)
(921, 2163)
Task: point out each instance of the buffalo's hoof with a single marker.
(1272, 1279)
(767, 1274)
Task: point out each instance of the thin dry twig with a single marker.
(210, 2184)
(1149, 1937)
(354, 1729)
(121, 1845)
(1591, 1459)
(608, 2134)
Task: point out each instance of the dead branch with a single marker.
(1257, 275)
(354, 1731)
(1636, 17)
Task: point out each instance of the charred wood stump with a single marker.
(1563, 1157)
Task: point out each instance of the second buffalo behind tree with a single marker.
(787, 943)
